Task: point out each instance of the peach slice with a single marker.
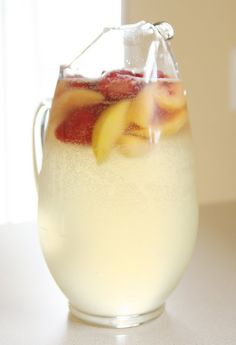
(62, 86)
(170, 95)
(174, 124)
(75, 98)
(141, 110)
(152, 134)
(166, 127)
(139, 132)
(132, 146)
(108, 129)
(72, 99)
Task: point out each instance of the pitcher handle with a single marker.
(38, 135)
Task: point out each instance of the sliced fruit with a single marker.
(78, 98)
(170, 95)
(132, 146)
(142, 108)
(81, 83)
(118, 85)
(71, 100)
(139, 132)
(152, 134)
(161, 74)
(175, 123)
(62, 86)
(138, 75)
(108, 129)
(77, 128)
(165, 123)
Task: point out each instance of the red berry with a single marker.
(138, 75)
(124, 72)
(161, 74)
(114, 74)
(78, 126)
(119, 85)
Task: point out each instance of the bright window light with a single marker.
(36, 37)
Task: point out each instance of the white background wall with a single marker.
(36, 36)
(205, 47)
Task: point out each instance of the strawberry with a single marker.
(124, 72)
(78, 126)
(138, 75)
(118, 85)
(161, 74)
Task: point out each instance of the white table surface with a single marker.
(202, 310)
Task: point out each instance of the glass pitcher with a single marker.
(117, 202)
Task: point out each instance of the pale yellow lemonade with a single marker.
(117, 201)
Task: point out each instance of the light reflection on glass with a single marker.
(163, 331)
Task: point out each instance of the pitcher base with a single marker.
(117, 321)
